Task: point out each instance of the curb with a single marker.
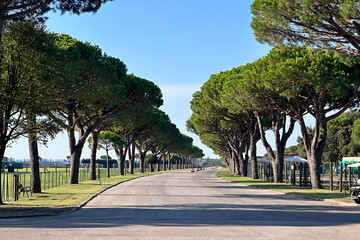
(77, 207)
(323, 200)
(96, 194)
(299, 196)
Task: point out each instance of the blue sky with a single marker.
(176, 44)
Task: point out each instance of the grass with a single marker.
(285, 188)
(61, 199)
(53, 178)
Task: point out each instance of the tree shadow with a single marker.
(196, 215)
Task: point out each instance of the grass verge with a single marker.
(286, 188)
(61, 199)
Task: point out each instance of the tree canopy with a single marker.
(327, 24)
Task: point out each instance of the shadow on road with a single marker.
(195, 215)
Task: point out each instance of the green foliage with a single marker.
(85, 74)
(340, 140)
(109, 140)
(13, 10)
(308, 72)
(328, 24)
(355, 135)
(213, 162)
(151, 159)
(26, 81)
(291, 151)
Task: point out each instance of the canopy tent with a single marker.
(349, 160)
(354, 165)
(263, 160)
(295, 159)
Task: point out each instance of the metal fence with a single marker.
(301, 175)
(52, 178)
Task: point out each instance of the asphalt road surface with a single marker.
(185, 205)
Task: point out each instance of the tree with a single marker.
(109, 141)
(133, 121)
(242, 93)
(291, 151)
(151, 133)
(166, 138)
(213, 162)
(142, 96)
(239, 122)
(25, 81)
(330, 24)
(226, 133)
(151, 159)
(14, 9)
(92, 88)
(356, 132)
(322, 85)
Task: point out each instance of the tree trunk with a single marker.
(169, 162)
(94, 145)
(142, 161)
(132, 159)
(35, 182)
(75, 149)
(164, 162)
(3, 142)
(254, 167)
(75, 154)
(121, 155)
(315, 148)
(281, 145)
(277, 158)
(142, 155)
(246, 160)
(159, 164)
(107, 163)
(2, 153)
(242, 165)
(315, 169)
(231, 162)
(122, 161)
(236, 163)
(273, 159)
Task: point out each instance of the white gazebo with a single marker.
(263, 160)
(301, 165)
(295, 159)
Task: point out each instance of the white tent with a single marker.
(263, 160)
(355, 159)
(354, 165)
(295, 159)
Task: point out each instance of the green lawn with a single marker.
(54, 177)
(285, 188)
(61, 199)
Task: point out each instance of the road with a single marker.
(185, 205)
